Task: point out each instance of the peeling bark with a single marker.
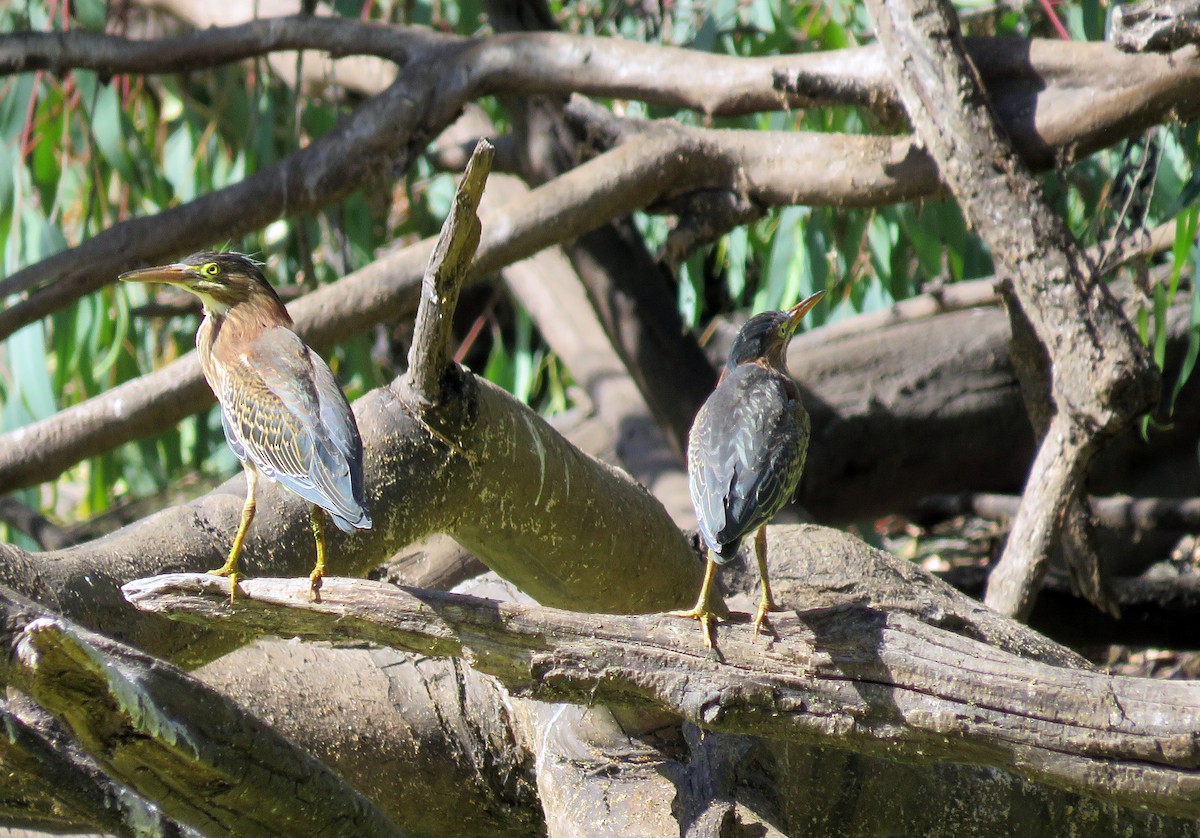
(1100, 375)
(884, 684)
(200, 759)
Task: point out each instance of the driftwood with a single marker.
(883, 683)
(1084, 373)
(201, 759)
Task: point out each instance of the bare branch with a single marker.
(41, 529)
(64, 788)
(1102, 376)
(1120, 512)
(1155, 25)
(880, 683)
(200, 758)
(430, 356)
(1130, 93)
(60, 52)
(524, 500)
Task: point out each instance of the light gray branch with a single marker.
(882, 683)
(1100, 375)
(203, 760)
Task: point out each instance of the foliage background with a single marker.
(80, 153)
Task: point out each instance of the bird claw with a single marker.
(701, 615)
(314, 585)
(761, 616)
(232, 575)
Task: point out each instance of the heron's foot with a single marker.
(703, 615)
(229, 570)
(765, 606)
(314, 584)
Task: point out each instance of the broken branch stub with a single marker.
(429, 359)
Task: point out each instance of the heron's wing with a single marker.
(276, 402)
(745, 455)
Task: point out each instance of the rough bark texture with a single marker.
(602, 527)
(1101, 377)
(1061, 96)
(880, 658)
(199, 758)
(881, 683)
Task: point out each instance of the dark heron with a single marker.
(746, 451)
(283, 412)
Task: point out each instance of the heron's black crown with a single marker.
(764, 336)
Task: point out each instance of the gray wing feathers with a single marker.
(736, 482)
(285, 413)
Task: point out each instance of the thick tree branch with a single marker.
(524, 500)
(1102, 376)
(52, 783)
(436, 82)
(881, 683)
(200, 758)
(432, 742)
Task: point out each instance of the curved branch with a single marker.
(61, 786)
(880, 683)
(171, 738)
(842, 170)
(524, 500)
(1097, 93)
(59, 52)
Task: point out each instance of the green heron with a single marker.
(746, 451)
(282, 410)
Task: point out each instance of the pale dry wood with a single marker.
(430, 358)
(201, 759)
(880, 683)
(1100, 375)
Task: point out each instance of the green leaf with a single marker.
(91, 14)
(179, 163)
(109, 130)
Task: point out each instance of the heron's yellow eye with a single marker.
(211, 269)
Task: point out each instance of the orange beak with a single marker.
(796, 313)
(175, 274)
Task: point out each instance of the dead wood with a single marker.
(447, 453)
(53, 784)
(1079, 344)
(201, 759)
(1155, 25)
(882, 683)
(847, 170)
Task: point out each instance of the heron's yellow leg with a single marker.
(767, 603)
(230, 567)
(318, 529)
(702, 610)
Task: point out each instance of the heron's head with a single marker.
(221, 280)
(766, 335)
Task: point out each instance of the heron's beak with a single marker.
(796, 313)
(175, 274)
